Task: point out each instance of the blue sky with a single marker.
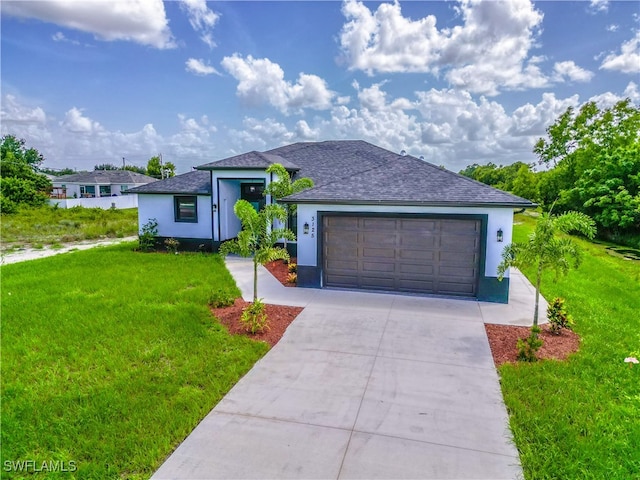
(458, 82)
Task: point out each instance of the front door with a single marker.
(254, 194)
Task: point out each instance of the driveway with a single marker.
(362, 385)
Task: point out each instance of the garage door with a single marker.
(407, 254)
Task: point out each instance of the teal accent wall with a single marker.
(490, 289)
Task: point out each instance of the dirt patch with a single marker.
(280, 317)
(503, 339)
(280, 271)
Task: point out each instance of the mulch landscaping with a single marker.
(502, 338)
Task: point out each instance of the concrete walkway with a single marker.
(362, 385)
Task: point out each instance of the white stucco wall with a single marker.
(498, 218)
(161, 207)
(226, 192)
(105, 203)
(74, 188)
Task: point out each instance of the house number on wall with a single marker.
(313, 227)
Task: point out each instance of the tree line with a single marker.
(591, 164)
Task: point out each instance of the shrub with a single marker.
(147, 237)
(293, 267)
(528, 347)
(172, 245)
(558, 316)
(221, 298)
(254, 317)
(292, 278)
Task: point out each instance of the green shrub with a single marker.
(254, 317)
(528, 347)
(558, 316)
(221, 298)
(172, 245)
(147, 237)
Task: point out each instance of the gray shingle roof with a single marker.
(354, 171)
(249, 160)
(105, 177)
(196, 182)
(351, 171)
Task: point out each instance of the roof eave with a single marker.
(165, 192)
(402, 203)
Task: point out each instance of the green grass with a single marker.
(111, 357)
(581, 418)
(48, 225)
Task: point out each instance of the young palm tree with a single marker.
(283, 187)
(258, 237)
(546, 249)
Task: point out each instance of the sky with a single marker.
(88, 82)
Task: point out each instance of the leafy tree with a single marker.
(157, 170)
(547, 249)
(283, 187)
(257, 238)
(106, 166)
(594, 154)
(133, 168)
(516, 178)
(57, 172)
(21, 184)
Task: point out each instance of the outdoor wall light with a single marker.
(214, 208)
(499, 236)
(305, 229)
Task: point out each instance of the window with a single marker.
(124, 188)
(105, 190)
(87, 191)
(186, 209)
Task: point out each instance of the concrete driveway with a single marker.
(362, 385)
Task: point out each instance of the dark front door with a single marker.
(408, 254)
(254, 194)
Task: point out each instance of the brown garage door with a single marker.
(422, 255)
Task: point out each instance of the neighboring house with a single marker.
(99, 183)
(374, 219)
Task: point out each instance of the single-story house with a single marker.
(373, 220)
(99, 183)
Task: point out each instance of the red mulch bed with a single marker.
(280, 317)
(280, 270)
(503, 339)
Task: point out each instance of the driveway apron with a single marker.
(362, 385)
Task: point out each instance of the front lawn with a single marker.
(46, 225)
(111, 357)
(581, 418)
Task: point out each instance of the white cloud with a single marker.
(13, 112)
(141, 21)
(486, 53)
(76, 122)
(628, 61)
(612, 28)
(599, 6)
(199, 67)
(201, 19)
(262, 81)
(571, 72)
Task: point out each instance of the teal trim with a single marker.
(490, 289)
(309, 277)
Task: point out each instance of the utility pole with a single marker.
(161, 167)
(123, 163)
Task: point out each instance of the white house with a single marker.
(99, 183)
(374, 219)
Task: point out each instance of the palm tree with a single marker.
(258, 237)
(283, 187)
(545, 249)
